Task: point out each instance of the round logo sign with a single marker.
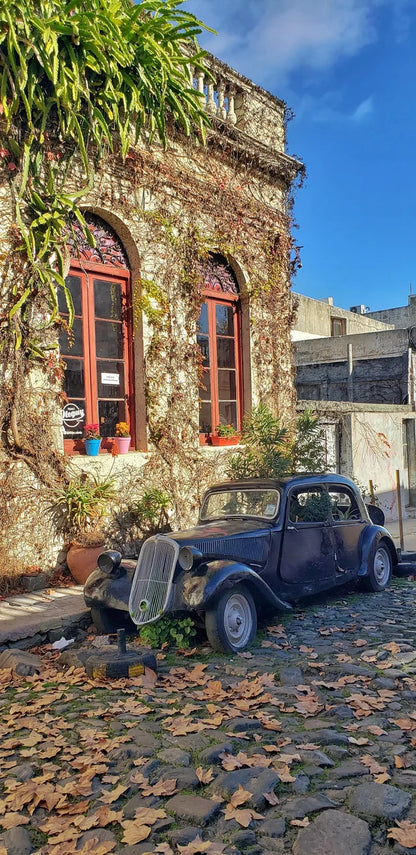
(72, 416)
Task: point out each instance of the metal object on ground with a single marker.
(114, 662)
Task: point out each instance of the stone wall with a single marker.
(233, 200)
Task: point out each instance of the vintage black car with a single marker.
(258, 543)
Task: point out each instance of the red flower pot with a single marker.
(225, 440)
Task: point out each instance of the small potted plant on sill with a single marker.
(122, 438)
(78, 515)
(92, 440)
(225, 435)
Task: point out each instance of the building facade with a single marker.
(182, 304)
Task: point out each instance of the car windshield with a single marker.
(241, 503)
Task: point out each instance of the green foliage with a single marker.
(150, 513)
(266, 452)
(80, 505)
(308, 450)
(168, 631)
(87, 75)
(272, 451)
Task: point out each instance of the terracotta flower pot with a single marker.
(122, 443)
(225, 440)
(82, 560)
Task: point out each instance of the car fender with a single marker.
(202, 588)
(372, 536)
(107, 591)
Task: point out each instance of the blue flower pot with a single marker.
(92, 447)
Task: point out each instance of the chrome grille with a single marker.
(152, 582)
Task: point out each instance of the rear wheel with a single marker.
(231, 623)
(380, 569)
(110, 620)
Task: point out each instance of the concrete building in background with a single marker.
(358, 370)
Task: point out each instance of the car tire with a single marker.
(231, 623)
(380, 569)
(110, 620)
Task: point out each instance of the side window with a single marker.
(343, 505)
(311, 505)
(218, 337)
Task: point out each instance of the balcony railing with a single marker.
(236, 101)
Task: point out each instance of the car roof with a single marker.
(302, 478)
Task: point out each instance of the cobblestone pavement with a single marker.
(306, 744)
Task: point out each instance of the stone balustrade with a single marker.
(234, 100)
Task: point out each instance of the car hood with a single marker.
(241, 539)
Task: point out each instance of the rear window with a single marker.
(263, 504)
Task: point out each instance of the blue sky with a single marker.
(347, 68)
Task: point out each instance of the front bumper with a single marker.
(110, 592)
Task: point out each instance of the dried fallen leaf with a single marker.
(405, 834)
(11, 820)
(202, 847)
(240, 797)
(204, 776)
(271, 798)
(300, 823)
(243, 817)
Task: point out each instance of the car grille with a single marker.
(152, 581)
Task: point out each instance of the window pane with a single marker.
(205, 424)
(228, 413)
(203, 319)
(310, 506)
(107, 299)
(225, 353)
(70, 341)
(203, 343)
(109, 413)
(73, 419)
(224, 320)
(226, 385)
(110, 379)
(73, 284)
(205, 386)
(73, 384)
(109, 339)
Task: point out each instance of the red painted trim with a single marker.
(88, 272)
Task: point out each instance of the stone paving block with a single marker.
(334, 832)
(381, 800)
(21, 662)
(17, 841)
(193, 809)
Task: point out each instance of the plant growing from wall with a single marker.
(77, 80)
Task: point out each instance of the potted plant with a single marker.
(225, 435)
(92, 440)
(122, 438)
(78, 515)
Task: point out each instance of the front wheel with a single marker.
(380, 569)
(231, 623)
(110, 620)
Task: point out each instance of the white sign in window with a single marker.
(110, 379)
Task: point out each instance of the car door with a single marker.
(308, 552)
(348, 526)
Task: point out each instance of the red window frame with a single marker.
(212, 298)
(87, 272)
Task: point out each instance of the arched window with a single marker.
(97, 350)
(219, 337)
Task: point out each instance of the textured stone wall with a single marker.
(231, 199)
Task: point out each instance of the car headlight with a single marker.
(109, 561)
(188, 557)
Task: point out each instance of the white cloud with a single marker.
(276, 37)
